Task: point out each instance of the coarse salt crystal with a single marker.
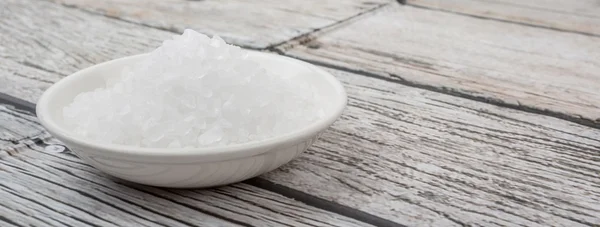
(193, 91)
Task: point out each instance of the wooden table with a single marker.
(461, 113)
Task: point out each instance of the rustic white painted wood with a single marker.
(43, 41)
(418, 157)
(522, 66)
(581, 16)
(412, 156)
(28, 82)
(42, 187)
(255, 24)
(17, 126)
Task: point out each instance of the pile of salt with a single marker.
(193, 91)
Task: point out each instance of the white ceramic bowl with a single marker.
(197, 167)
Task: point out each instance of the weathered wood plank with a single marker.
(519, 66)
(253, 24)
(44, 188)
(413, 156)
(472, 163)
(419, 157)
(581, 16)
(43, 41)
(17, 126)
(17, 78)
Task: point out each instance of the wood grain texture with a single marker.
(425, 158)
(412, 156)
(581, 16)
(253, 24)
(513, 65)
(418, 157)
(41, 187)
(28, 82)
(17, 126)
(42, 42)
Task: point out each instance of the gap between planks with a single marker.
(17, 103)
(454, 92)
(250, 47)
(579, 17)
(300, 196)
(61, 178)
(500, 20)
(311, 35)
(306, 40)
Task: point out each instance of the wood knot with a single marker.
(313, 45)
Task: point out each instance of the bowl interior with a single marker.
(330, 91)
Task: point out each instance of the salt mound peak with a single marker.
(193, 91)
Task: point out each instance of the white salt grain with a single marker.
(193, 91)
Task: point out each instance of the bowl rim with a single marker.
(238, 150)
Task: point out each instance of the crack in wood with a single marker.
(308, 37)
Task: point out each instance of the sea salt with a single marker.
(193, 91)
